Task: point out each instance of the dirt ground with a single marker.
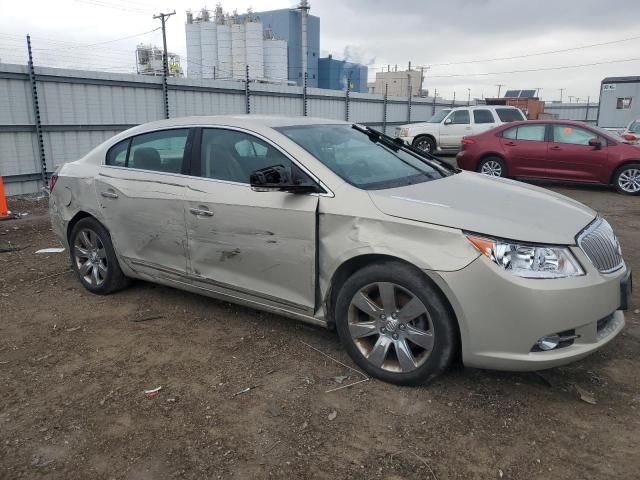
(74, 367)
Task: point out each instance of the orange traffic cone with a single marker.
(4, 211)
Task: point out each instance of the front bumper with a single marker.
(501, 316)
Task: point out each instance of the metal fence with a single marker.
(583, 112)
(50, 116)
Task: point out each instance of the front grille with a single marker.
(600, 244)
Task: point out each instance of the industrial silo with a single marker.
(254, 48)
(194, 52)
(209, 47)
(275, 59)
(238, 50)
(225, 62)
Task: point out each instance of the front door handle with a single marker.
(109, 194)
(555, 148)
(201, 212)
(510, 144)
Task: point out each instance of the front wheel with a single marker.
(627, 179)
(395, 325)
(425, 143)
(493, 167)
(94, 259)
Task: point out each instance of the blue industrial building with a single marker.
(337, 74)
(286, 25)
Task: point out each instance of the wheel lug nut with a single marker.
(383, 316)
(383, 330)
(395, 336)
(402, 326)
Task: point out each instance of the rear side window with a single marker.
(159, 151)
(526, 132)
(509, 114)
(460, 117)
(117, 155)
(483, 116)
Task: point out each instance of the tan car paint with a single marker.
(425, 231)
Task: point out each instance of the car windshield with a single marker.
(634, 127)
(358, 159)
(438, 117)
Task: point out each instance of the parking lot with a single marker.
(244, 393)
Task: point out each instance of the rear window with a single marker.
(483, 116)
(509, 114)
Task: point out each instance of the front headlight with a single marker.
(529, 261)
(402, 132)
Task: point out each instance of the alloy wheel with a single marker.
(90, 257)
(492, 168)
(629, 180)
(424, 145)
(391, 327)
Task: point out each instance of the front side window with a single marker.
(483, 116)
(438, 117)
(507, 115)
(623, 103)
(525, 132)
(572, 135)
(460, 117)
(161, 151)
(233, 156)
(359, 160)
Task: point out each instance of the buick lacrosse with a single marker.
(412, 261)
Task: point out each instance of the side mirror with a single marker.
(276, 178)
(448, 121)
(595, 143)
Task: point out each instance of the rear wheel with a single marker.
(395, 324)
(425, 143)
(627, 179)
(94, 259)
(492, 166)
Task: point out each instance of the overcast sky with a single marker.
(374, 32)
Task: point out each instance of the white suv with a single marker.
(444, 131)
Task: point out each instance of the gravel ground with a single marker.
(74, 367)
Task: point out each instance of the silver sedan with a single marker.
(413, 262)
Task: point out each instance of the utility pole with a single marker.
(561, 92)
(468, 97)
(499, 85)
(165, 59)
(570, 98)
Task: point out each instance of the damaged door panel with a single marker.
(256, 244)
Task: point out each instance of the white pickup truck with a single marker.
(444, 131)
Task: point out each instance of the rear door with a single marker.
(483, 120)
(257, 246)
(525, 149)
(454, 127)
(572, 158)
(141, 190)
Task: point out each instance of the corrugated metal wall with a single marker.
(584, 112)
(81, 109)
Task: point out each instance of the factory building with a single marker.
(149, 61)
(270, 43)
(337, 74)
(398, 83)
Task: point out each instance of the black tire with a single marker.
(425, 143)
(110, 279)
(623, 173)
(492, 164)
(444, 332)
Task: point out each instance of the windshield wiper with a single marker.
(396, 143)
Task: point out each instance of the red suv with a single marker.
(555, 150)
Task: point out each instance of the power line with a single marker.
(105, 4)
(529, 70)
(102, 43)
(548, 52)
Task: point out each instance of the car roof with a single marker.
(245, 120)
(483, 107)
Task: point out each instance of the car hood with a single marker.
(490, 206)
(421, 126)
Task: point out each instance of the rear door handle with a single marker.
(109, 194)
(201, 212)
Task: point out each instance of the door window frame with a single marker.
(196, 160)
(186, 158)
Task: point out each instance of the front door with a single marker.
(454, 127)
(258, 246)
(526, 150)
(141, 191)
(572, 158)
